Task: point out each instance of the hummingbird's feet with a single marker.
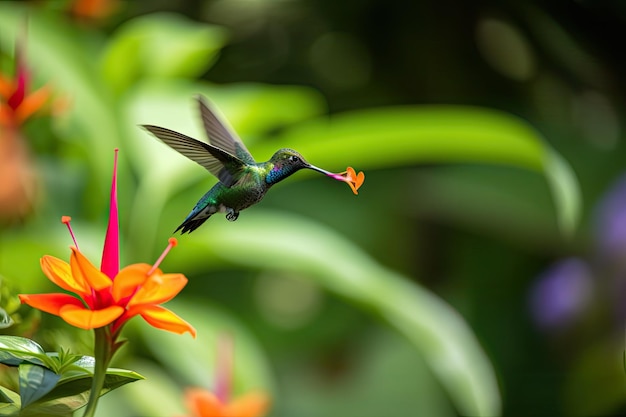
(232, 215)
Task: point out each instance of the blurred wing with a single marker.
(226, 167)
(220, 136)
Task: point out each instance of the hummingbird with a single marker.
(243, 182)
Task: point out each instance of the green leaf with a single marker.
(18, 343)
(6, 398)
(160, 45)
(389, 137)
(35, 382)
(79, 384)
(5, 319)
(435, 329)
(15, 350)
(9, 402)
(44, 392)
(72, 393)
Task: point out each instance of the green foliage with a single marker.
(51, 384)
(186, 49)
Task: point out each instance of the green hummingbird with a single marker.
(242, 181)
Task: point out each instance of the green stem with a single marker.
(103, 353)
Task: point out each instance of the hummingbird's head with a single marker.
(287, 161)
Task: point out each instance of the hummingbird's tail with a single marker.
(191, 224)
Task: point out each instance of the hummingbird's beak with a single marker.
(349, 176)
(327, 173)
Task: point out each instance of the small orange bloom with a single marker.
(203, 403)
(353, 179)
(17, 101)
(350, 177)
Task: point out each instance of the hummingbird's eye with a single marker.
(294, 158)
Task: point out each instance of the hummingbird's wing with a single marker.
(220, 136)
(225, 166)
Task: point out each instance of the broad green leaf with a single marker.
(15, 350)
(435, 329)
(35, 382)
(78, 384)
(44, 392)
(72, 393)
(86, 362)
(162, 45)
(20, 344)
(388, 137)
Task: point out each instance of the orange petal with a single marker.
(162, 318)
(89, 319)
(354, 180)
(60, 273)
(158, 289)
(6, 87)
(254, 404)
(360, 178)
(50, 303)
(32, 103)
(203, 403)
(84, 270)
(129, 278)
(6, 115)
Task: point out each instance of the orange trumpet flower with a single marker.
(350, 177)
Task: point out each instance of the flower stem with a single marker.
(103, 353)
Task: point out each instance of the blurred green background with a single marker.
(480, 269)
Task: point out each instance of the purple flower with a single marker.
(561, 293)
(610, 222)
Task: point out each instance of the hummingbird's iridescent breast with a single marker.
(248, 190)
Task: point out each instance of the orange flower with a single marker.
(136, 290)
(109, 296)
(350, 177)
(203, 403)
(17, 101)
(353, 179)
